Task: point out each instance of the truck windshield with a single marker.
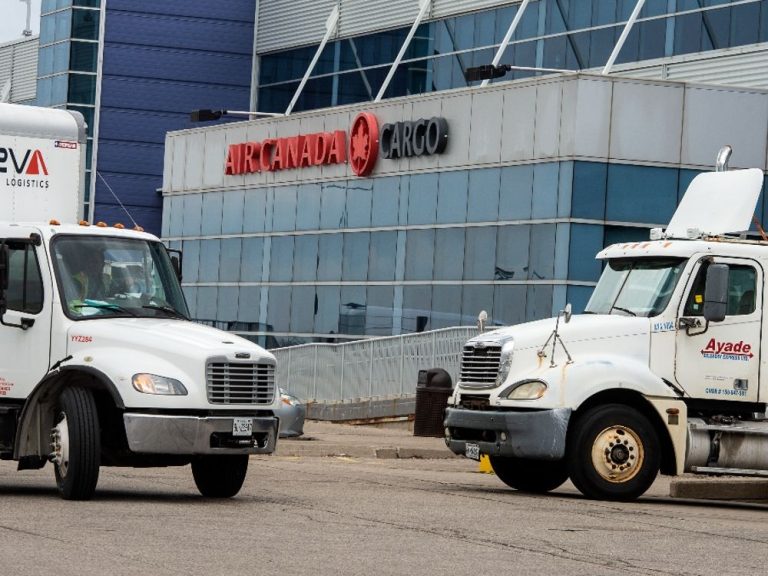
(109, 277)
(640, 287)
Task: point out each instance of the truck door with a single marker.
(721, 361)
(25, 332)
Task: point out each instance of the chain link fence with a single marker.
(365, 369)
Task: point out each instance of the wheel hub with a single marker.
(617, 454)
(60, 445)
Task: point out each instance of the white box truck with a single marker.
(99, 364)
(665, 370)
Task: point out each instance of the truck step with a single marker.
(750, 428)
(728, 471)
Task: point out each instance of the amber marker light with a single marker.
(119, 226)
(101, 224)
(54, 222)
(84, 223)
(138, 228)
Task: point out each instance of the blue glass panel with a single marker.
(589, 189)
(308, 207)
(621, 234)
(248, 307)
(327, 314)
(82, 89)
(480, 242)
(85, 24)
(383, 250)
(509, 304)
(542, 254)
(190, 296)
(379, 311)
(446, 306)
(232, 212)
(60, 57)
(329, 257)
(84, 56)
(483, 204)
(279, 309)
(212, 207)
(305, 259)
(47, 6)
(207, 303)
(255, 210)
(333, 213)
(449, 250)
(512, 252)
(193, 214)
(417, 306)
(210, 252)
(422, 202)
(538, 302)
(419, 254)
(253, 258)
(452, 197)
(476, 298)
(284, 209)
(44, 86)
(62, 25)
(359, 203)
(230, 260)
(641, 194)
(352, 310)
(191, 260)
(586, 242)
(545, 187)
(45, 61)
(59, 87)
(578, 296)
(744, 24)
(227, 304)
(386, 193)
(516, 196)
(303, 309)
(281, 259)
(355, 261)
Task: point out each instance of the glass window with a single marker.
(212, 207)
(641, 194)
(284, 209)
(281, 259)
(230, 259)
(352, 310)
(446, 306)
(44, 86)
(333, 213)
(386, 193)
(210, 252)
(329, 257)
(327, 313)
(542, 254)
(279, 309)
(25, 284)
(356, 250)
(82, 89)
(474, 299)
(248, 307)
(227, 304)
(417, 305)
(47, 6)
(45, 61)
(538, 302)
(87, 113)
(449, 248)
(90, 3)
(480, 246)
(586, 241)
(452, 197)
(483, 204)
(252, 260)
(59, 89)
(382, 258)
(193, 206)
(509, 304)
(207, 303)
(516, 195)
(85, 24)
(305, 259)
(589, 189)
(742, 285)
(422, 202)
(232, 212)
(254, 215)
(379, 311)
(303, 302)
(359, 203)
(191, 260)
(308, 207)
(512, 250)
(83, 56)
(419, 254)
(545, 180)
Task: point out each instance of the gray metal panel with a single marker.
(485, 132)
(443, 8)
(518, 123)
(646, 122)
(586, 118)
(546, 141)
(715, 117)
(283, 24)
(24, 71)
(458, 109)
(360, 16)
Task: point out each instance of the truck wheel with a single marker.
(536, 476)
(613, 453)
(220, 476)
(76, 444)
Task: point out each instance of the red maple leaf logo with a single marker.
(360, 142)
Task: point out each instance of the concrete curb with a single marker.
(725, 488)
(308, 449)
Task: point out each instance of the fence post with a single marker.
(370, 372)
(341, 380)
(434, 346)
(402, 363)
(314, 375)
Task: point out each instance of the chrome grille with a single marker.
(240, 383)
(480, 365)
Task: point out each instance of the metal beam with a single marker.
(507, 37)
(330, 29)
(623, 37)
(424, 7)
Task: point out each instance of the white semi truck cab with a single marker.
(99, 364)
(664, 371)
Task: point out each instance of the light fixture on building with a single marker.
(207, 115)
(491, 71)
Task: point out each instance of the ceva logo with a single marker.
(31, 163)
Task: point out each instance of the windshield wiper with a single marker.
(627, 310)
(168, 310)
(105, 306)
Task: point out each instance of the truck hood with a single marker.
(585, 328)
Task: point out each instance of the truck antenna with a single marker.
(116, 198)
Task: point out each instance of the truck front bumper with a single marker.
(538, 435)
(196, 435)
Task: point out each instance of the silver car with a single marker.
(291, 413)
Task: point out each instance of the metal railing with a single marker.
(364, 369)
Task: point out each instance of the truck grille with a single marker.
(480, 365)
(240, 383)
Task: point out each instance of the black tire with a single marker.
(220, 476)
(78, 471)
(535, 476)
(613, 453)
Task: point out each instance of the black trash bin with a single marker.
(433, 389)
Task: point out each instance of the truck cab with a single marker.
(662, 371)
(99, 362)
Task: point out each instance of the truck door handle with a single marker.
(686, 322)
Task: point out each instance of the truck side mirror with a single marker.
(716, 293)
(176, 260)
(5, 255)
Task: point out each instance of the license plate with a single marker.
(472, 451)
(242, 427)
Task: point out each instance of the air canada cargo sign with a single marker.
(361, 148)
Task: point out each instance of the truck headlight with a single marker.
(525, 390)
(154, 384)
